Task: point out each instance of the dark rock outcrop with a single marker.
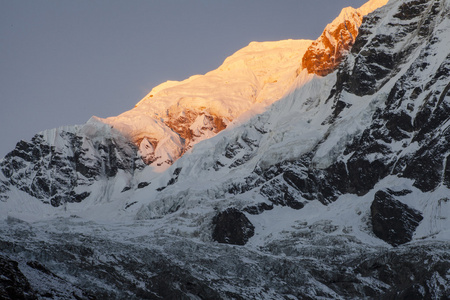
(416, 272)
(173, 282)
(58, 166)
(13, 284)
(258, 208)
(232, 227)
(393, 221)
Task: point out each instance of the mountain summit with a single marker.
(296, 170)
(325, 54)
(176, 115)
(64, 163)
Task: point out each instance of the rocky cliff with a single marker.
(326, 53)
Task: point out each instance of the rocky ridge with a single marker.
(68, 164)
(326, 53)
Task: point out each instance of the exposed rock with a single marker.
(326, 53)
(393, 221)
(173, 282)
(183, 123)
(279, 193)
(58, 166)
(232, 227)
(142, 185)
(13, 284)
(258, 208)
(417, 272)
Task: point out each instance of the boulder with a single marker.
(232, 227)
(13, 284)
(393, 221)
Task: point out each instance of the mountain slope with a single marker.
(176, 115)
(338, 190)
(166, 123)
(326, 139)
(63, 164)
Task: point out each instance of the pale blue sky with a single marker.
(62, 61)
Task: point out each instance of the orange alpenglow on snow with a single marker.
(176, 115)
(325, 53)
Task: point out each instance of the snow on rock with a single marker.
(70, 164)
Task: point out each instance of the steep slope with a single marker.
(325, 54)
(57, 166)
(176, 115)
(71, 164)
(342, 134)
(339, 190)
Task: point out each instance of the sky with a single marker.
(63, 61)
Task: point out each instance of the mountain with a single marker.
(67, 164)
(296, 170)
(167, 122)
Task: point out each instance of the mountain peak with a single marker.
(325, 53)
(173, 115)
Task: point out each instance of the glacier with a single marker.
(268, 178)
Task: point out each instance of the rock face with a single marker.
(64, 165)
(393, 221)
(232, 227)
(416, 105)
(13, 284)
(326, 53)
(416, 272)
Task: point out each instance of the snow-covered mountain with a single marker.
(296, 170)
(176, 115)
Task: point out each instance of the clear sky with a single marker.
(62, 61)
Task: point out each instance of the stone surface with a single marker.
(326, 53)
(58, 166)
(13, 284)
(393, 221)
(232, 227)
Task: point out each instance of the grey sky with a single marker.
(62, 61)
